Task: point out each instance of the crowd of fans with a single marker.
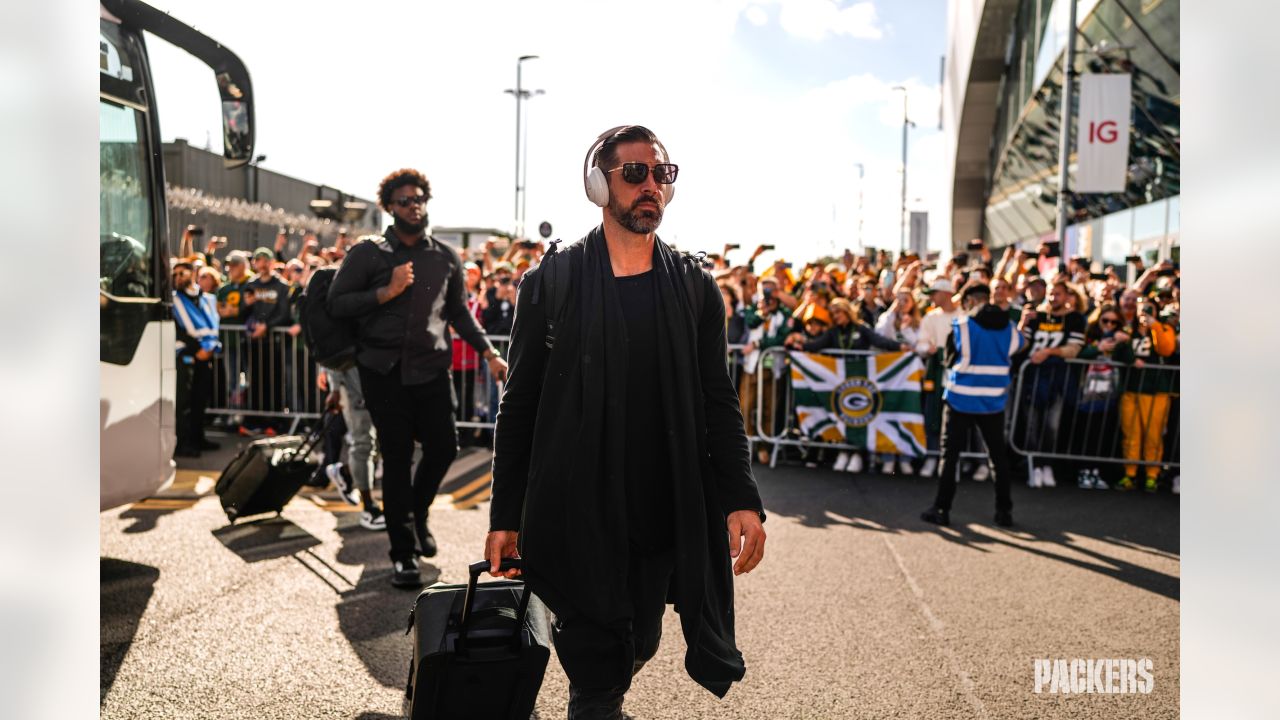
(1120, 406)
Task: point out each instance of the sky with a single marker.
(767, 106)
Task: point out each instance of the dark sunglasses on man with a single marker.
(405, 202)
(635, 173)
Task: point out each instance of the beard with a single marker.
(640, 222)
(405, 226)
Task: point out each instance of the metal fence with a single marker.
(271, 380)
(1082, 411)
(1087, 411)
(1097, 412)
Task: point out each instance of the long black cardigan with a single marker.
(559, 449)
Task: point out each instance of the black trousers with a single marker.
(956, 427)
(402, 415)
(601, 660)
(194, 385)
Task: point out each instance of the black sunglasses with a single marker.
(635, 173)
(1105, 321)
(405, 202)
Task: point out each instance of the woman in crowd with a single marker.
(1096, 421)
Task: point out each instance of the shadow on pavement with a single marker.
(373, 615)
(1049, 516)
(144, 519)
(267, 539)
(125, 590)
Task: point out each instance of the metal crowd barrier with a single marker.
(1097, 411)
(273, 379)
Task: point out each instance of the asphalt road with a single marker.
(860, 610)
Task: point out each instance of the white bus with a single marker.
(136, 359)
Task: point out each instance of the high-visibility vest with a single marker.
(978, 383)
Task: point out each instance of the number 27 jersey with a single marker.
(1054, 331)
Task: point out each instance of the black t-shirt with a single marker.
(650, 502)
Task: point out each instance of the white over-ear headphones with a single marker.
(594, 180)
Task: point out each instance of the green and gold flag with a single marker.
(869, 401)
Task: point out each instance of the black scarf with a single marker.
(575, 534)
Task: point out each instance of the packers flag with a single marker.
(868, 401)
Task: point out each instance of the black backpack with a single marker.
(330, 340)
(555, 264)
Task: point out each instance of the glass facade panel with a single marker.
(1149, 220)
(1113, 38)
(1117, 237)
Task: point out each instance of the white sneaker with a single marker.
(982, 472)
(1098, 482)
(904, 466)
(1047, 478)
(1177, 486)
(855, 463)
(1037, 478)
(930, 467)
(886, 468)
(842, 461)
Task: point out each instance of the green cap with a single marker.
(264, 252)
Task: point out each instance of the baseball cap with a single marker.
(974, 287)
(264, 252)
(175, 263)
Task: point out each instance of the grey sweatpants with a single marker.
(359, 426)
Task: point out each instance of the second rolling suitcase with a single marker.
(479, 650)
(267, 473)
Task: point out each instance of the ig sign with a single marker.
(1103, 133)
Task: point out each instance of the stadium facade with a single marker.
(1001, 95)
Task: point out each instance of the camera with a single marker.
(195, 230)
(768, 247)
(732, 246)
(975, 244)
(767, 291)
(1132, 259)
(1166, 272)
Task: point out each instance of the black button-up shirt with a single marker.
(411, 329)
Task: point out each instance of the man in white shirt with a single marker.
(935, 327)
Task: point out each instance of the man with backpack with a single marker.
(404, 290)
(621, 473)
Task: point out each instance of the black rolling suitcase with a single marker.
(479, 650)
(267, 473)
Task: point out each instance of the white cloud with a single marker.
(815, 19)
(756, 16)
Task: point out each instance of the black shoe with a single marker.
(404, 573)
(209, 445)
(1004, 518)
(429, 547)
(937, 516)
(186, 452)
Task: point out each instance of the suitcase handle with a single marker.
(473, 577)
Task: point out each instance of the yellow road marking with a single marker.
(471, 487)
(474, 500)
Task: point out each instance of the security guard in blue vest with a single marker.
(977, 359)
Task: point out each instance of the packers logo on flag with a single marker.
(867, 401)
(856, 401)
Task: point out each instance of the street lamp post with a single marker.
(524, 163)
(1064, 129)
(520, 95)
(902, 210)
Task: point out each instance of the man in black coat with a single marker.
(404, 291)
(620, 458)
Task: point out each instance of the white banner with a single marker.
(1102, 133)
